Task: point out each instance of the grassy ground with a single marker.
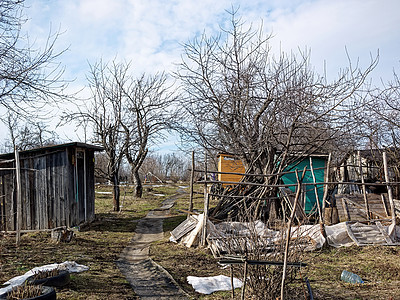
(96, 246)
(99, 245)
(378, 266)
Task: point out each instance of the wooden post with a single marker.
(296, 199)
(346, 209)
(363, 187)
(326, 179)
(233, 288)
(390, 193)
(19, 197)
(384, 205)
(316, 191)
(244, 279)
(206, 203)
(191, 185)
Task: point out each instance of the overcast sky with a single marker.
(150, 33)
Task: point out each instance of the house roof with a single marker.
(54, 147)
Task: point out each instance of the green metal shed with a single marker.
(319, 165)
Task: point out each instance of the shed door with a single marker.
(80, 185)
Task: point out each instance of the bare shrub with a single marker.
(251, 240)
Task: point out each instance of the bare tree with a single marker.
(29, 78)
(148, 113)
(127, 115)
(240, 98)
(166, 166)
(104, 112)
(27, 135)
(382, 124)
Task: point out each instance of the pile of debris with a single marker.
(241, 235)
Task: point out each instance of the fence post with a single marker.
(19, 197)
(363, 187)
(390, 194)
(316, 192)
(328, 165)
(191, 185)
(206, 203)
(296, 199)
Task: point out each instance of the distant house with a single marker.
(372, 169)
(350, 201)
(57, 186)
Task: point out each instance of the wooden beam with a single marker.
(19, 197)
(206, 204)
(191, 185)
(326, 180)
(363, 187)
(296, 199)
(316, 192)
(390, 193)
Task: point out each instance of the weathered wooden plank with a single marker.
(90, 184)
(383, 232)
(346, 210)
(351, 235)
(64, 189)
(25, 196)
(55, 198)
(362, 209)
(185, 227)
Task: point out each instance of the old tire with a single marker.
(48, 293)
(62, 279)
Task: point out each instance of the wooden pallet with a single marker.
(352, 207)
(365, 235)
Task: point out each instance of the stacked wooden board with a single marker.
(352, 207)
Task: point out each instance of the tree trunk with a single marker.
(138, 184)
(116, 192)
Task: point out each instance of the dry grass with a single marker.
(97, 246)
(378, 266)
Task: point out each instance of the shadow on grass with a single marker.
(171, 223)
(112, 222)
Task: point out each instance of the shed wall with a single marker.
(227, 163)
(52, 190)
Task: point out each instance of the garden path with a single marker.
(148, 279)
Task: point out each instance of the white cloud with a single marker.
(149, 32)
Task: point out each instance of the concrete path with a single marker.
(148, 279)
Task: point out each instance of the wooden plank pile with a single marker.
(352, 207)
(372, 234)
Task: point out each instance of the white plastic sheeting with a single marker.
(70, 266)
(336, 235)
(208, 285)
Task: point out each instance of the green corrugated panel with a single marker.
(318, 162)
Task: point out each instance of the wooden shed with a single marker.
(309, 198)
(57, 186)
(228, 163)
